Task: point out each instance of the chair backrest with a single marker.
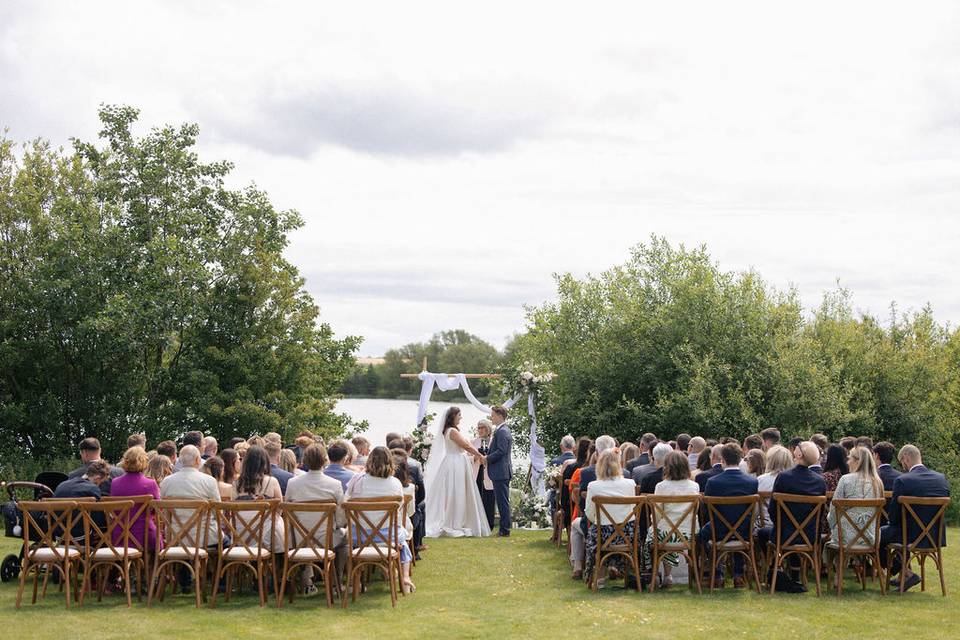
(98, 532)
(734, 526)
(47, 525)
(926, 515)
(800, 538)
(860, 535)
(660, 518)
(367, 518)
(142, 508)
(242, 524)
(604, 518)
(309, 525)
(405, 510)
(182, 523)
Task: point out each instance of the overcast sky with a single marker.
(448, 158)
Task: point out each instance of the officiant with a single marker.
(484, 483)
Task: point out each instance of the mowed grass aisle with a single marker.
(516, 588)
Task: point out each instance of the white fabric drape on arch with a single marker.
(449, 382)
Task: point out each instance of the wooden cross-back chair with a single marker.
(367, 519)
(618, 543)
(182, 525)
(799, 543)
(242, 544)
(926, 544)
(101, 554)
(48, 543)
(685, 543)
(408, 525)
(733, 541)
(308, 540)
(864, 541)
(142, 508)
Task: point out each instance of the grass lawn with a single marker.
(515, 587)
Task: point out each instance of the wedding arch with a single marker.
(451, 381)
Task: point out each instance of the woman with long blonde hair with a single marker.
(862, 483)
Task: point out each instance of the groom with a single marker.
(500, 466)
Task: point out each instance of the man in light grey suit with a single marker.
(499, 463)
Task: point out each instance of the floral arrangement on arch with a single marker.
(553, 476)
(529, 379)
(423, 439)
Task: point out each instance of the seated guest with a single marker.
(288, 462)
(920, 482)
(703, 461)
(408, 447)
(755, 463)
(363, 450)
(137, 440)
(864, 441)
(676, 482)
(589, 473)
(312, 486)
(337, 452)
(584, 450)
(134, 483)
(793, 444)
(861, 483)
(628, 451)
(90, 453)
(822, 442)
(209, 447)
(609, 483)
(272, 436)
(770, 437)
(694, 449)
(215, 467)
(378, 481)
(402, 473)
(798, 480)
(729, 483)
(258, 482)
(834, 466)
(716, 468)
(567, 445)
(193, 439)
(85, 485)
(848, 442)
(883, 453)
(168, 448)
(652, 479)
(158, 468)
(231, 466)
(647, 442)
(753, 442)
(778, 459)
(234, 441)
(273, 449)
(683, 442)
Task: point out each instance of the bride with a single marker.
(454, 508)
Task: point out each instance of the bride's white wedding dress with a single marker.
(453, 501)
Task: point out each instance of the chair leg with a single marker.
(923, 572)
(753, 567)
(23, 580)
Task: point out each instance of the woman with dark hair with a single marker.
(214, 467)
(703, 461)
(835, 466)
(231, 465)
(583, 454)
(402, 474)
(256, 483)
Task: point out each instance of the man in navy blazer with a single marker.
(730, 482)
(716, 469)
(883, 454)
(918, 482)
(499, 462)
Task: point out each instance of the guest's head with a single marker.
(190, 457)
(256, 466)
(836, 460)
(583, 450)
(705, 459)
(676, 467)
(337, 452)
(363, 445)
(231, 465)
(647, 442)
(605, 443)
(395, 444)
(159, 468)
(484, 429)
(214, 467)
(715, 455)
(567, 443)
(884, 452)
(697, 444)
(168, 448)
(234, 441)
(683, 441)
(660, 453)
(498, 415)
(392, 436)
(351, 452)
(136, 440)
(753, 441)
(241, 448)
(909, 457)
(806, 454)
(288, 460)
(380, 463)
(865, 441)
(89, 450)
(97, 471)
(793, 444)
(256, 441)
(628, 452)
(778, 459)
(210, 446)
(401, 470)
(193, 438)
(848, 442)
(730, 455)
(134, 460)
(273, 448)
(673, 444)
(756, 461)
(273, 436)
(314, 458)
(408, 444)
(608, 465)
(862, 463)
(820, 440)
(770, 437)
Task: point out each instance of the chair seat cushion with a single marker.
(371, 553)
(243, 553)
(46, 554)
(850, 547)
(182, 553)
(309, 555)
(104, 554)
(733, 545)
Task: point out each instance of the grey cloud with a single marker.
(378, 120)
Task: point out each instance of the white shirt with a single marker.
(192, 484)
(674, 511)
(610, 488)
(367, 486)
(315, 485)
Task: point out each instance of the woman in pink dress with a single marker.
(134, 483)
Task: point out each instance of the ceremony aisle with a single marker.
(505, 588)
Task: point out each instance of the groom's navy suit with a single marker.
(500, 470)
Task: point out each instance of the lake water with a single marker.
(400, 416)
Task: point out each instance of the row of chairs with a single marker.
(245, 541)
(735, 516)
